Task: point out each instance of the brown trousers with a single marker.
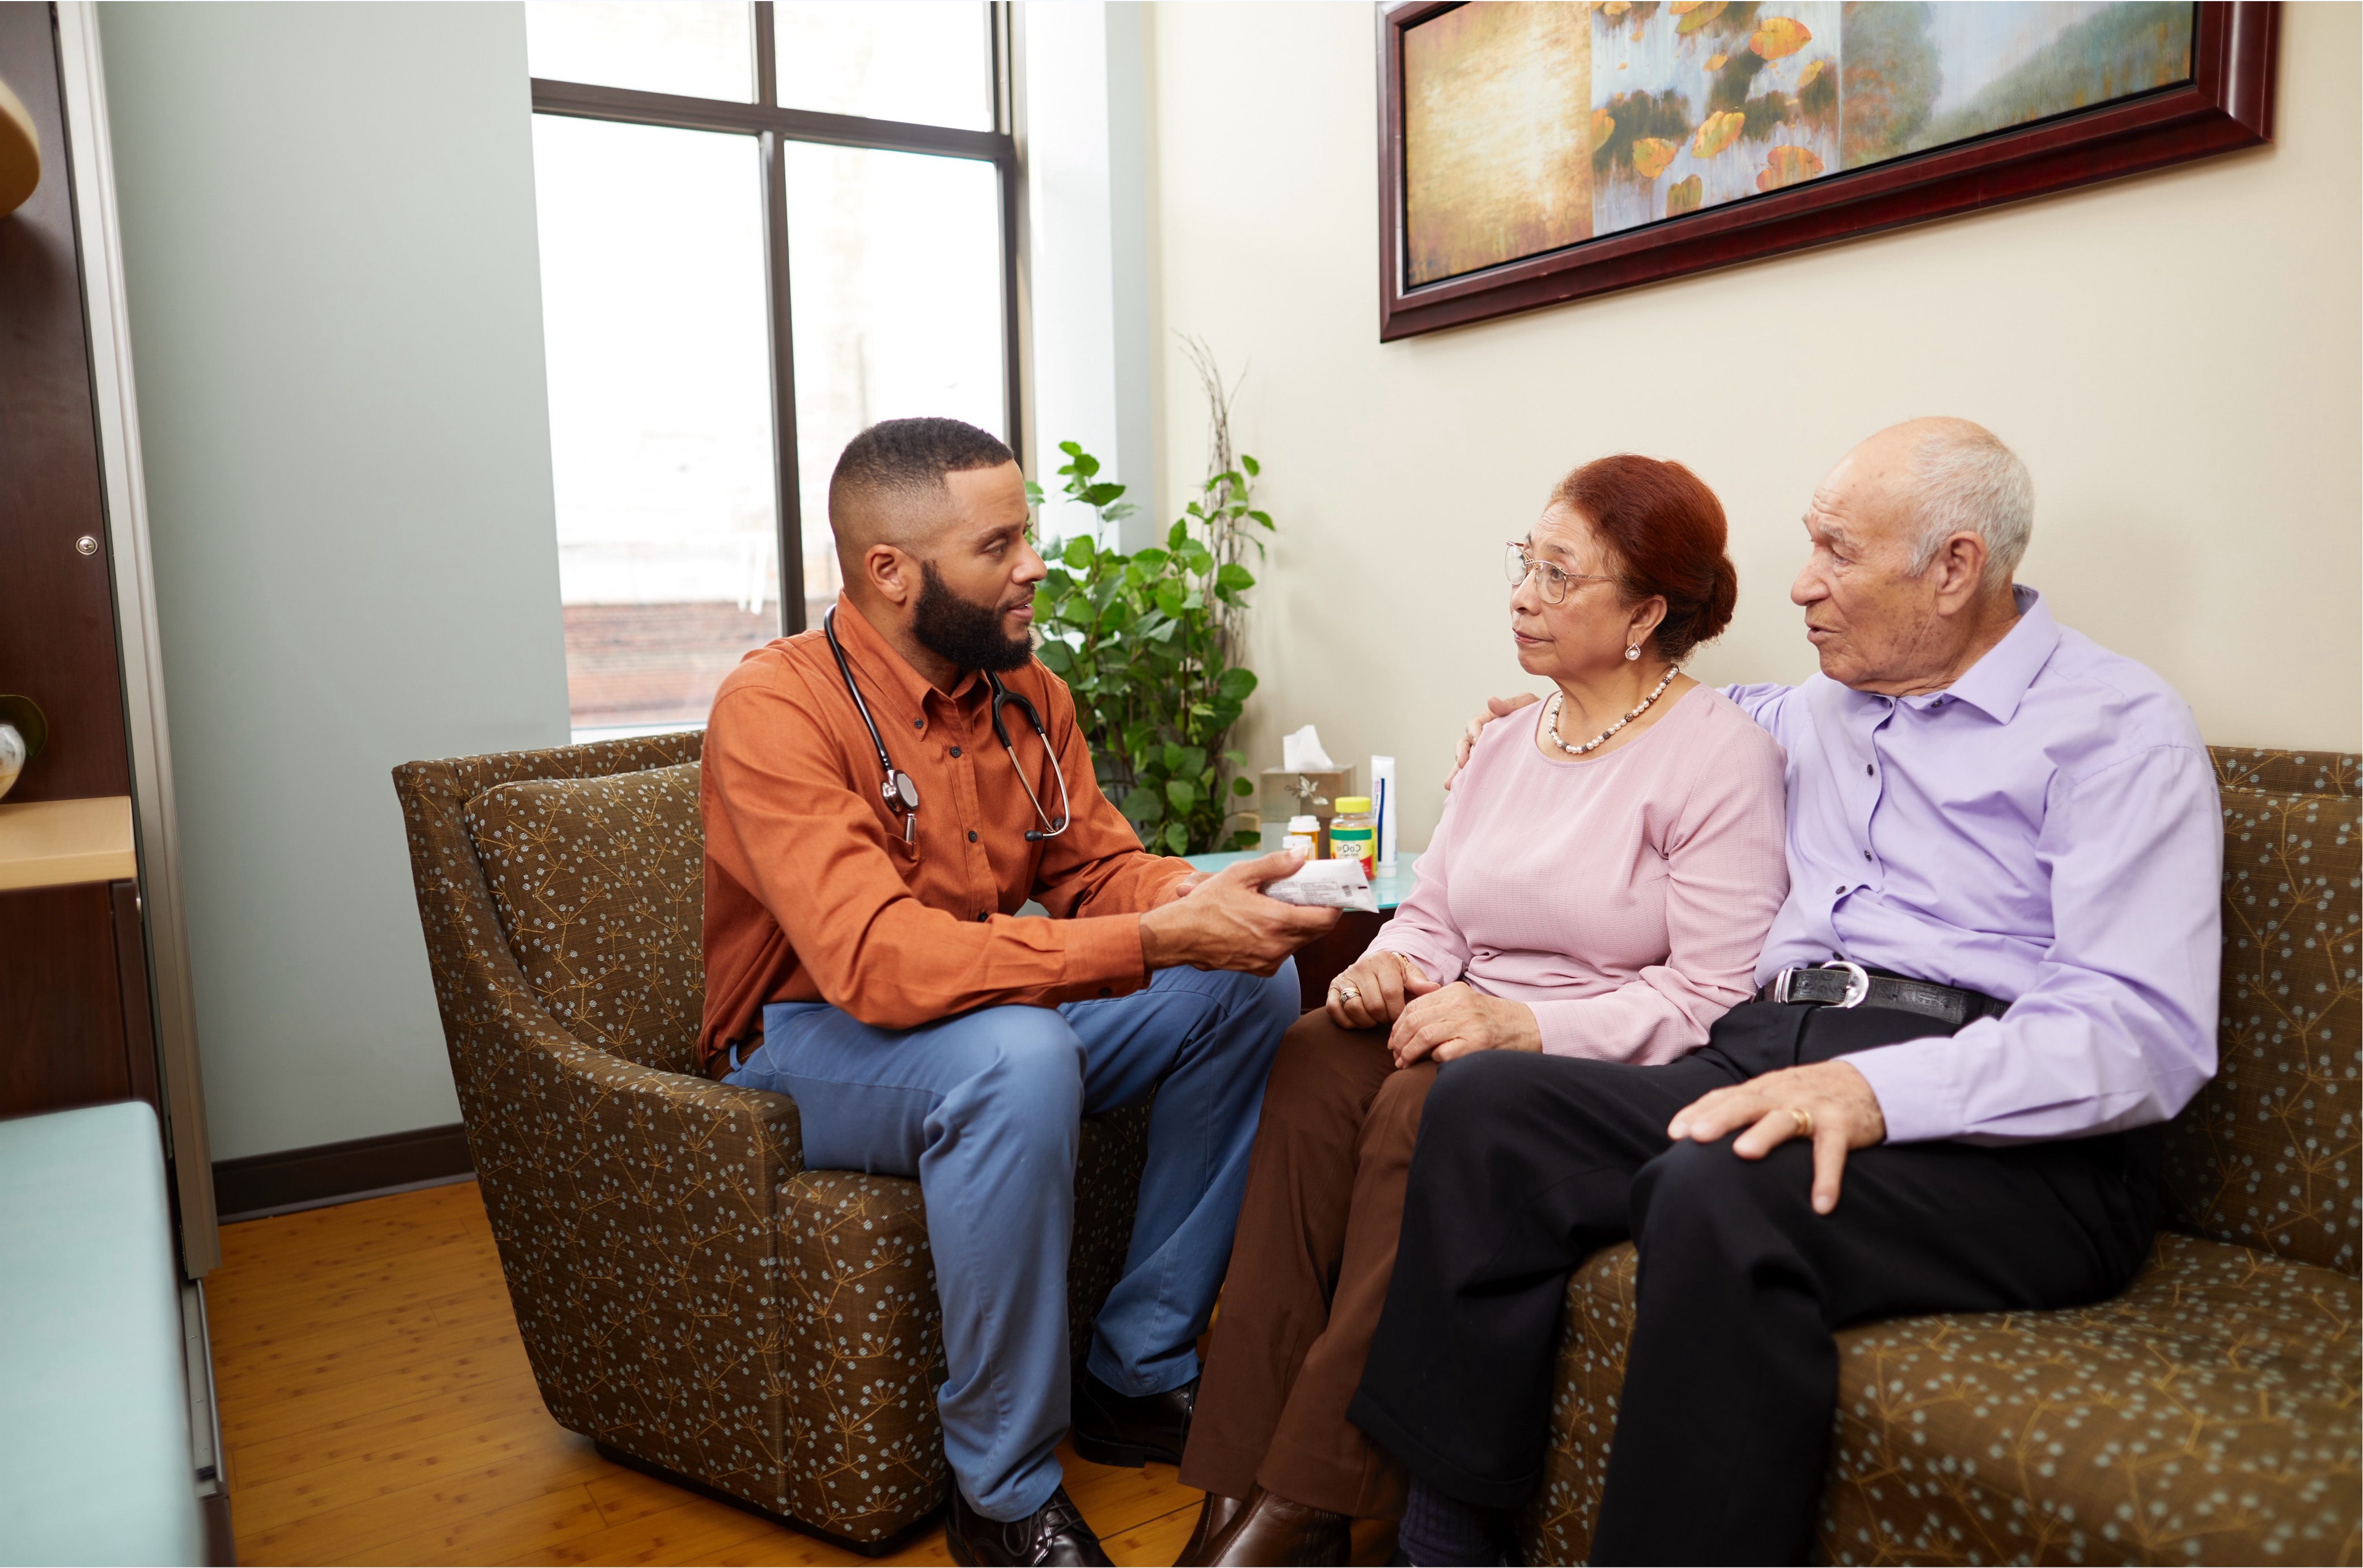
(1308, 1277)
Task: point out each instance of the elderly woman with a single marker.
(1599, 885)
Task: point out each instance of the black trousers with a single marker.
(1528, 1165)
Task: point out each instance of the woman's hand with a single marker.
(1375, 990)
(1458, 1020)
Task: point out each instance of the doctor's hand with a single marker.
(1830, 1102)
(1228, 922)
(1375, 990)
(1495, 708)
(1459, 1021)
(1182, 887)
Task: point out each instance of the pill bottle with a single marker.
(1354, 833)
(1304, 836)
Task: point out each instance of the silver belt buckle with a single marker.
(1858, 982)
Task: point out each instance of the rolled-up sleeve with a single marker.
(2119, 1029)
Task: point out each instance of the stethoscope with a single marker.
(901, 795)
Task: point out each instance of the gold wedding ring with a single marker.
(1349, 992)
(1804, 1121)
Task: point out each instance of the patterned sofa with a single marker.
(691, 1296)
(2208, 1415)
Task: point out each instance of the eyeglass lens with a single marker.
(1515, 566)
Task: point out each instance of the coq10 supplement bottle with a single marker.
(1354, 833)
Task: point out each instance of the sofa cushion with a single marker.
(2207, 1414)
(599, 884)
(2267, 1155)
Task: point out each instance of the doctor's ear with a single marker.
(893, 574)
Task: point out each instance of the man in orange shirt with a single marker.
(880, 798)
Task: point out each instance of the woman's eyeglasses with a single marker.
(1516, 564)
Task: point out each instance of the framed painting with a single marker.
(1531, 153)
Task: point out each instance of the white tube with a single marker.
(1382, 800)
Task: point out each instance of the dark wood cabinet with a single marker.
(73, 998)
(57, 603)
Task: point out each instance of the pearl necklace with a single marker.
(1602, 738)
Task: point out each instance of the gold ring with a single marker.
(1804, 1121)
(1349, 992)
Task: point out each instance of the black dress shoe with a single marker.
(1120, 1429)
(1053, 1533)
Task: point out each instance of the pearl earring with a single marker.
(1632, 653)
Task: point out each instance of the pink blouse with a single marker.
(1623, 896)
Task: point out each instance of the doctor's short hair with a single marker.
(909, 457)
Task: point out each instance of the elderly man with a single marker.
(1995, 972)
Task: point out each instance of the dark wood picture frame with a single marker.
(2227, 104)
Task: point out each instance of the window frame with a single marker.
(771, 124)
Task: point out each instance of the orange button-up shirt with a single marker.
(812, 895)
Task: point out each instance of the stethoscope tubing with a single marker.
(895, 786)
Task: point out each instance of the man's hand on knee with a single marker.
(1228, 921)
(1829, 1102)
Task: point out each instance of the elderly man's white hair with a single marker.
(1966, 482)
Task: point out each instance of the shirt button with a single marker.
(981, 916)
(971, 835)
(955, 751)
(1868, 771)
(1840, 892)
(1105, 992)
(918, 724)
(1866, 853)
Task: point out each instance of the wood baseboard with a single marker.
(263, 1185)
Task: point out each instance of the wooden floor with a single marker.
(376, 1406)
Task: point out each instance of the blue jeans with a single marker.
(984, 1109)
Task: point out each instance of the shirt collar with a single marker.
(877, 660)
(1997, 683)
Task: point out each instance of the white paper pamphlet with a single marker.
(1326, 885)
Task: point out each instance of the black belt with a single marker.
(1850, 985)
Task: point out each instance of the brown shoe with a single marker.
(1270, 1531)
(1213, 1514)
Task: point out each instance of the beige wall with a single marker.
(2175, 354)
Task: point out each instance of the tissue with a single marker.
(1302, 753)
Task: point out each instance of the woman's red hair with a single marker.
(1665, 533)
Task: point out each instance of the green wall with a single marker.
(336, 320)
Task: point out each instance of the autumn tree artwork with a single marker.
(1530, 127)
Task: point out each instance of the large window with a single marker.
(763, 226)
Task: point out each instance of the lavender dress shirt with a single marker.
(2047, 832)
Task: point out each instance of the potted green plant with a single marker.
(1149, 642)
